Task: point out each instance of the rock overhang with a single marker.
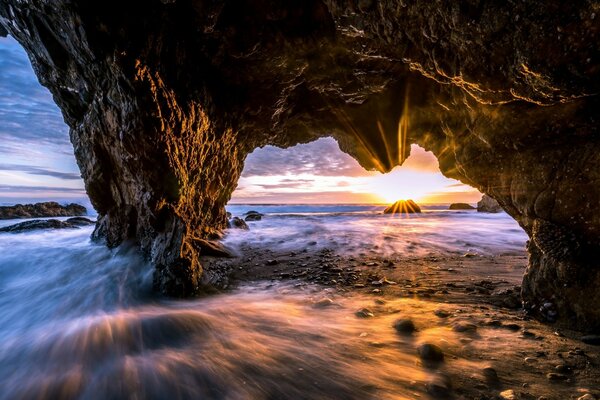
(164, 107)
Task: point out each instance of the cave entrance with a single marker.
(37, 157)
(313, 197)
(320, 173)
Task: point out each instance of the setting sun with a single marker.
(320, 173)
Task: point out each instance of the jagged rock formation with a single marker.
(26, 226)
(37, 210)
(460, 206)
(166, 98)
(403, 207)
(488, 204)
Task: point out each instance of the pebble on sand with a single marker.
(508, 395)
(404, 326)
(490, 375)
(364, 313)
(430, 352)
(324, 302)
(439, 387)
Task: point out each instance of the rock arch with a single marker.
(165, 98)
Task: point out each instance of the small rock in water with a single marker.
(430, 352)
(81, 221)
(490, 375)
(439, 387)
(404, 326)
(237, 222)
(364, 313)
(324, 302)
(464, 327)
(254, 217)
(441, 313)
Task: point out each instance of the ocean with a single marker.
(79, 320)
(352, 229)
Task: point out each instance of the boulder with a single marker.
(460, 206)
(488, 205)
(38, 224)
(403, 207)
(213, 248)
(38, 210)
(253, 216)
(237, 222)
(80, 221)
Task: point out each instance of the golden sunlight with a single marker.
(319, 173)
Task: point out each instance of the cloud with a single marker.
(20, 188)
(33, 170)
(27, 110)
(285, 185)
(321, 157)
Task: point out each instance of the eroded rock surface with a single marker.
(47, 209)
(166, 98)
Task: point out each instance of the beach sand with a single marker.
(468, 305)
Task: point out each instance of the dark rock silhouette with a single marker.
(47, 224)
(47, 209)
(237, 222)
(164, 107)
(460, 206)
(403, 207)
(488, 205)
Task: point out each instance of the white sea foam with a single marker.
(78, 320)
(355, 229)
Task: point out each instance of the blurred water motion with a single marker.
(78, 320)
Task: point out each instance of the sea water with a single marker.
(354, 229)
(79, 320)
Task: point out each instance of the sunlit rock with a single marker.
(488, 205)
(460, 206)
(403, 207)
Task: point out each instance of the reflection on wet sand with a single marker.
(268, 342)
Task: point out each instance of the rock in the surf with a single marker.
(488, 205)
(460, 206)
(37, 210)
(403, 207)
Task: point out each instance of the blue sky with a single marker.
(37, 162)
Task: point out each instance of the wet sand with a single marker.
(467, 305)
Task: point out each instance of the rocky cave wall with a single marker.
(165, 99)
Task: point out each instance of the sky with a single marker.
(319, 172)
(37, 162)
